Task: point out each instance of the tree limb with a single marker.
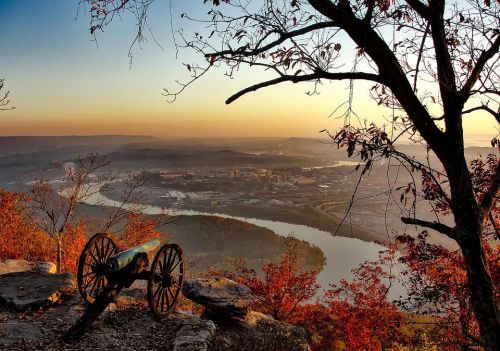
(486, 108)
(419, 7)
(307, 77)
(444, 65)
(283, 37)
(439, 227)
(389, 68)
(481, 62)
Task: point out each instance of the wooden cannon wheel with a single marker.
(93, 264)
(166, 279)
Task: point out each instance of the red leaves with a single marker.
(437, 283)
(384, 5)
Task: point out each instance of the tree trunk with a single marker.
(481, 290)
(59, 255)
(468, 234)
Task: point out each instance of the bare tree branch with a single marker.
(478, 68)
(283, 36)
(485, 108)
(439, 227)
(308, 77)
(421, 8)
(4, 100)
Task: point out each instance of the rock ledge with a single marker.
(220, 296)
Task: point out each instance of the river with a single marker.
(341, 254)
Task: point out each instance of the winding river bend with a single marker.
(341, 254)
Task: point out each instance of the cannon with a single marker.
(103, 272)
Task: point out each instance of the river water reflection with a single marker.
(341, 254)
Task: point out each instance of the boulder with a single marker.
(254, 319)
(262, 332)
(221, 297)
(32, 289)
(11, 266)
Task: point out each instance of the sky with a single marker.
(64, 83)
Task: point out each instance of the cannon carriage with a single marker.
(101, 264)
(103, 272)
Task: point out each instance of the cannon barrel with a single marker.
(123, 258)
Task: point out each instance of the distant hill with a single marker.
(200, 157)
(23, 144)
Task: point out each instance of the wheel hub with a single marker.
(99, 269)
(167, 281)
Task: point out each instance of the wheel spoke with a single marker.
(161, 266)
(107, 249)
(102, 249)
(171, 294)
(104, 282)
(93, 257)
(168, 261)
(157, 278)
(167, 299)
(87, 274)
(93, 287)
(98, 254)
(174, 267)
(99, 280)
(89, 281)
(159, 298)
(165, 260)
(156, 291)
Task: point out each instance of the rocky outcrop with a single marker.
(25, 285)
(227, 303)
(220, 296)
(194, 333)
(128, 323)
(12, 266)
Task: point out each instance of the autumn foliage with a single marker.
(21, 238)
(354, 315)
(280, 288)
(437, 286)
(138, 229)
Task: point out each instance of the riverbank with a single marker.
(299, 215)
(211, 240)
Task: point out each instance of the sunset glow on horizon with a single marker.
(63, 83)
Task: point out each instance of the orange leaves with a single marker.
(138, 229)
(74, 241)
(15, 229)
(21, 239)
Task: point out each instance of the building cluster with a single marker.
(319, 176)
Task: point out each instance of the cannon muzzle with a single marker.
(123, 258)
